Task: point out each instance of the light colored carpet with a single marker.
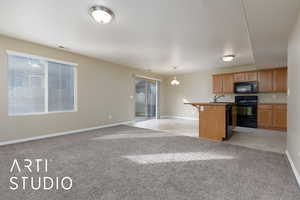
(131, 163)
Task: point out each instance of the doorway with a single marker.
(146, 99)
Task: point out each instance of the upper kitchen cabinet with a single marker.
(251, 76)
(239, 77)
(217, 84)
(265, 80)
(280, 80)
(245, 76)
(228, 81)
(269, 80)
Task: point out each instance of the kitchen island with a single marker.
(216, 120)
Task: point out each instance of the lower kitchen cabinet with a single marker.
(280, 117)
(264, 117)
(272, 116)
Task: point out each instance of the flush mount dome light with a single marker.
(101, 14)
(228, 58)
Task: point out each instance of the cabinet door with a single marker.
(280, 117)
(251, 76)
(228, 83)
(217, 84)
(265, 116)
(265, 81)
(280, 80)
(239, 77)
(212, 122)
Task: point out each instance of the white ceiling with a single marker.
(270, 24)
(159, 34)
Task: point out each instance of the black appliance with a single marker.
(245, 87)
(246, 111)
(228, 121)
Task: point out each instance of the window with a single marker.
(40, 85)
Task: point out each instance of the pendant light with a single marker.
(175, 82)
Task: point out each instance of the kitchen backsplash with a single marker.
(262, 98)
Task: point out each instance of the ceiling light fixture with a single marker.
(228, 58)
(175, 82)
(101, 14)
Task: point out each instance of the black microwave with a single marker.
(245, 87)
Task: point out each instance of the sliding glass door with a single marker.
(146, 99)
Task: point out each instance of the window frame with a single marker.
(45, 61)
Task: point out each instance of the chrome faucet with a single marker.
(216, 97)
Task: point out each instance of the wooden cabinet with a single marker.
(272, 116)
(280, 117)
(239, 77)
(265, 81)
(264, 116)
(228, 83)
(223, 84)
(251, 76)
(280, 80)
(212, 122)
(245, 76)
(217, 84)
(269, 80)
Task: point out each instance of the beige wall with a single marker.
(103, 88)
(197, 87)
(293, 140)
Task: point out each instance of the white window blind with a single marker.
(61, 87)
(38, 85)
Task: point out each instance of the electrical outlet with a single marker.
(109, 116)
(201, 108)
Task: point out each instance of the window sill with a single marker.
(41, 113)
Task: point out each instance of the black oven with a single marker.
(245, 87)
(246, 111)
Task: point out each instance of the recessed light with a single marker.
(101, 14)
(228, 58)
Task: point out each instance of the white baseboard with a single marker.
(178, 117)
(296, 173)
(61, 133)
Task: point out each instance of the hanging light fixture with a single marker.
(175, 82)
